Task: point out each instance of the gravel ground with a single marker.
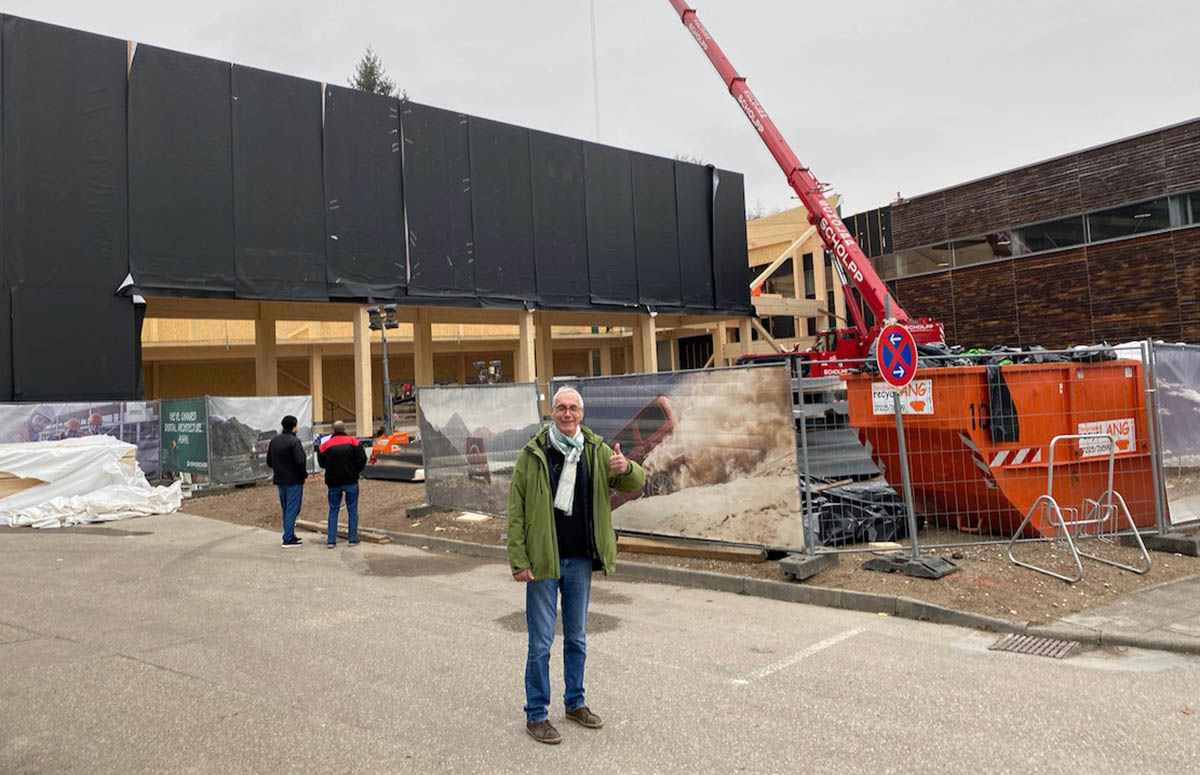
(986, 583)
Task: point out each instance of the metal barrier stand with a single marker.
(1093, 515)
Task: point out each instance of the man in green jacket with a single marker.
(559, 532)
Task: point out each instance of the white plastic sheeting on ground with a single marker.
(91, 479)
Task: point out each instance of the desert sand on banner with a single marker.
(719, 449)
(471, 437)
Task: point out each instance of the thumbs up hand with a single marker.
(618, 463)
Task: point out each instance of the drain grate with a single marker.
(1038, 647)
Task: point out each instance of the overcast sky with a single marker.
(876, 97)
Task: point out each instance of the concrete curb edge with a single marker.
(830, 597)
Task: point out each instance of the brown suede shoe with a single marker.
(543, 731)
(582, 715)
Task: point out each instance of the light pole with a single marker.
(381, 319)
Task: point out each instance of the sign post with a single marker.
(896, 357)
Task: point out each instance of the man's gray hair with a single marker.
(565, 389)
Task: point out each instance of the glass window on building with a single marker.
(885, 266)
(988, 247)
(1129, 220)
(1194, 207)
(923, 260)
(1052, 235)
(810, 289)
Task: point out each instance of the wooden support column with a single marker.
(744, 335)
(423, 349)
(316, 381)
(525, 363)
(591, 363)
(606, 368)
(627, 353)
(462, 367)
(545, 359)
(673, 343)
(720, 337)
(266, 363)
(645, 346)
(362, 373)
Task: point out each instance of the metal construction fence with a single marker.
(999, 446)
(1176, 370)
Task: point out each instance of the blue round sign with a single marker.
(896, 354)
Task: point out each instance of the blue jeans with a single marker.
(541, 609)
(335, 503)
(290, 496)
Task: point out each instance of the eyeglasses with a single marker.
(569, 409)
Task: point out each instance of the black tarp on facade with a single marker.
(363, 192)
(437, 190)
(654, 231)
(730, 284)
(64, 171)
(612, 254)
(180, 174)
(278, 194)
(560, 239)
(73, 342)
(693, 211)
(502, 211)
(5, 343)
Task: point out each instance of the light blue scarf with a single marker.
(571, 448)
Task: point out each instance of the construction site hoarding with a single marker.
(470, 438)
(1177, 377)
(718, 446)
(240, 429)
(185, 436)
(135, 422)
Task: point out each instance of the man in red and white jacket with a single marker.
(343, 459)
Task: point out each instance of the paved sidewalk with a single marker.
(1169, 612)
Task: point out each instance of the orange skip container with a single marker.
(978, 466)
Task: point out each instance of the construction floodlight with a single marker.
(389, 316)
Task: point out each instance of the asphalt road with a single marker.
(181, 644)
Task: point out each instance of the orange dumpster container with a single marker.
(978, 444)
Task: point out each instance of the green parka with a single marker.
(532, 538)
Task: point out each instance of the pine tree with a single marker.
(370, 76)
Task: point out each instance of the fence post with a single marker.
(1154, 431)
(810, 534)
(908, 499)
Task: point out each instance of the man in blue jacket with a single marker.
(343, 459)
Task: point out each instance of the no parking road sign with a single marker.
(896, 354)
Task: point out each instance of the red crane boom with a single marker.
(837, 238)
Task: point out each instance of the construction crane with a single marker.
(852, 264)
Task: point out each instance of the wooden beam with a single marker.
(316, 381)
(744, 336)
(673, 350)
(462, 369)
(423, 349)
(699, 549)
(771, 306)
(606, 367)
(720, 340)
(362, 373)
(787, 253)
(266, 363)
(526, 365)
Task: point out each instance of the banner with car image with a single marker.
(470, 438)
(718, 446)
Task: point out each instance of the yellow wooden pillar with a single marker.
(362, 372)
(423, 348)
(525, 363)
(673, 344)
(645, 346)
(545, 359)
(606, 367)
(316, 381)
(720, 337)
(266, 362)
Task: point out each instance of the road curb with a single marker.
(832, 597)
